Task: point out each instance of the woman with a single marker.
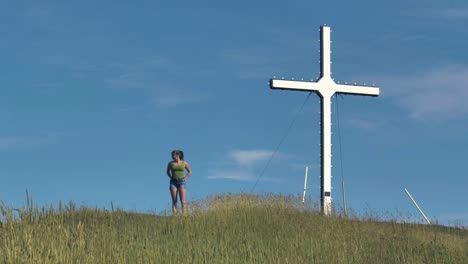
(176, 172)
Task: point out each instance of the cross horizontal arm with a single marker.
(294, 85)
(357, 90)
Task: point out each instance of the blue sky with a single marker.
(96, 94)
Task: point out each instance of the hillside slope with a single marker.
(222, 229)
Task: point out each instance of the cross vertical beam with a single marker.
(325, 52)
(325, 87)
(325, 180)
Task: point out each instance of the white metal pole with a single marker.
(417, 206)
(325, 67)
(305, 184)
(326, 200)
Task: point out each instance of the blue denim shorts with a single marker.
(177, 184)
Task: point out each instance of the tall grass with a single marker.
(226, 228)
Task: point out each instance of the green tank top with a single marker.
(178, 171)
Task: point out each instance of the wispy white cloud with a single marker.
(13, 142)
(38, 12)
(260, 61)
(454, 13)
(21, 142)
(446, 13)
(166, 97)
(247, 64)
(238, 175)
(436, 93)
(72, 63)
(401, 36)
(128, 80)
(156, 75)
(249, 157)
(242, 165)
(363, 124)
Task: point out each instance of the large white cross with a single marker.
(325, 87)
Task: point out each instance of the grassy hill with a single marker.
(223, 229)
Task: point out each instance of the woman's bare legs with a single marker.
(174, 200)
(182, 193)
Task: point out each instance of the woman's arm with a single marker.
(189, 170)
(168, 171)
